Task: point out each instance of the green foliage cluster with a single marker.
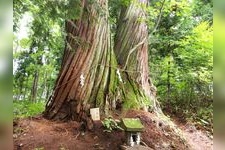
(37, 57)
(25, 108)
(181, 53)
(110, 124)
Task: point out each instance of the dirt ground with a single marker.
(37, 133)
(197, 139)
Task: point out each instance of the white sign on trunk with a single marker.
(95, 115)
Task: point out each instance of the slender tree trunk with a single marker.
(20, 93)
(47, 90)
(131, 49)
(25, 93)
(34, 87)
(44, 85)
(168, 82)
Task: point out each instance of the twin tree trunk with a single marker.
(94, 74)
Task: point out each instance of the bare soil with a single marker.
(37, 133)
(197, 139)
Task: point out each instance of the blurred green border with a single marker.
(219, 74)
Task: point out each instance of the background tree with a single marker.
(176, 67)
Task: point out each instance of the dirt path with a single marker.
(197, 139)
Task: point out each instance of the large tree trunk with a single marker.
(131, 49)
(84, 79)
(89, 76)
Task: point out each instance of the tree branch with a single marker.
(159, 17)
(131, 51)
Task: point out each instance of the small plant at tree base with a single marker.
(27, 108)
(110, 124)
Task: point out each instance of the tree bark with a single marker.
(84, 79)
(131, 49)
(90, 75)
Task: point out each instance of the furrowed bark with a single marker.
(131, 49)
(86, 57)
(93, 74)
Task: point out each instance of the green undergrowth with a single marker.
(22, 109)
(110, 124)
(199, 115)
